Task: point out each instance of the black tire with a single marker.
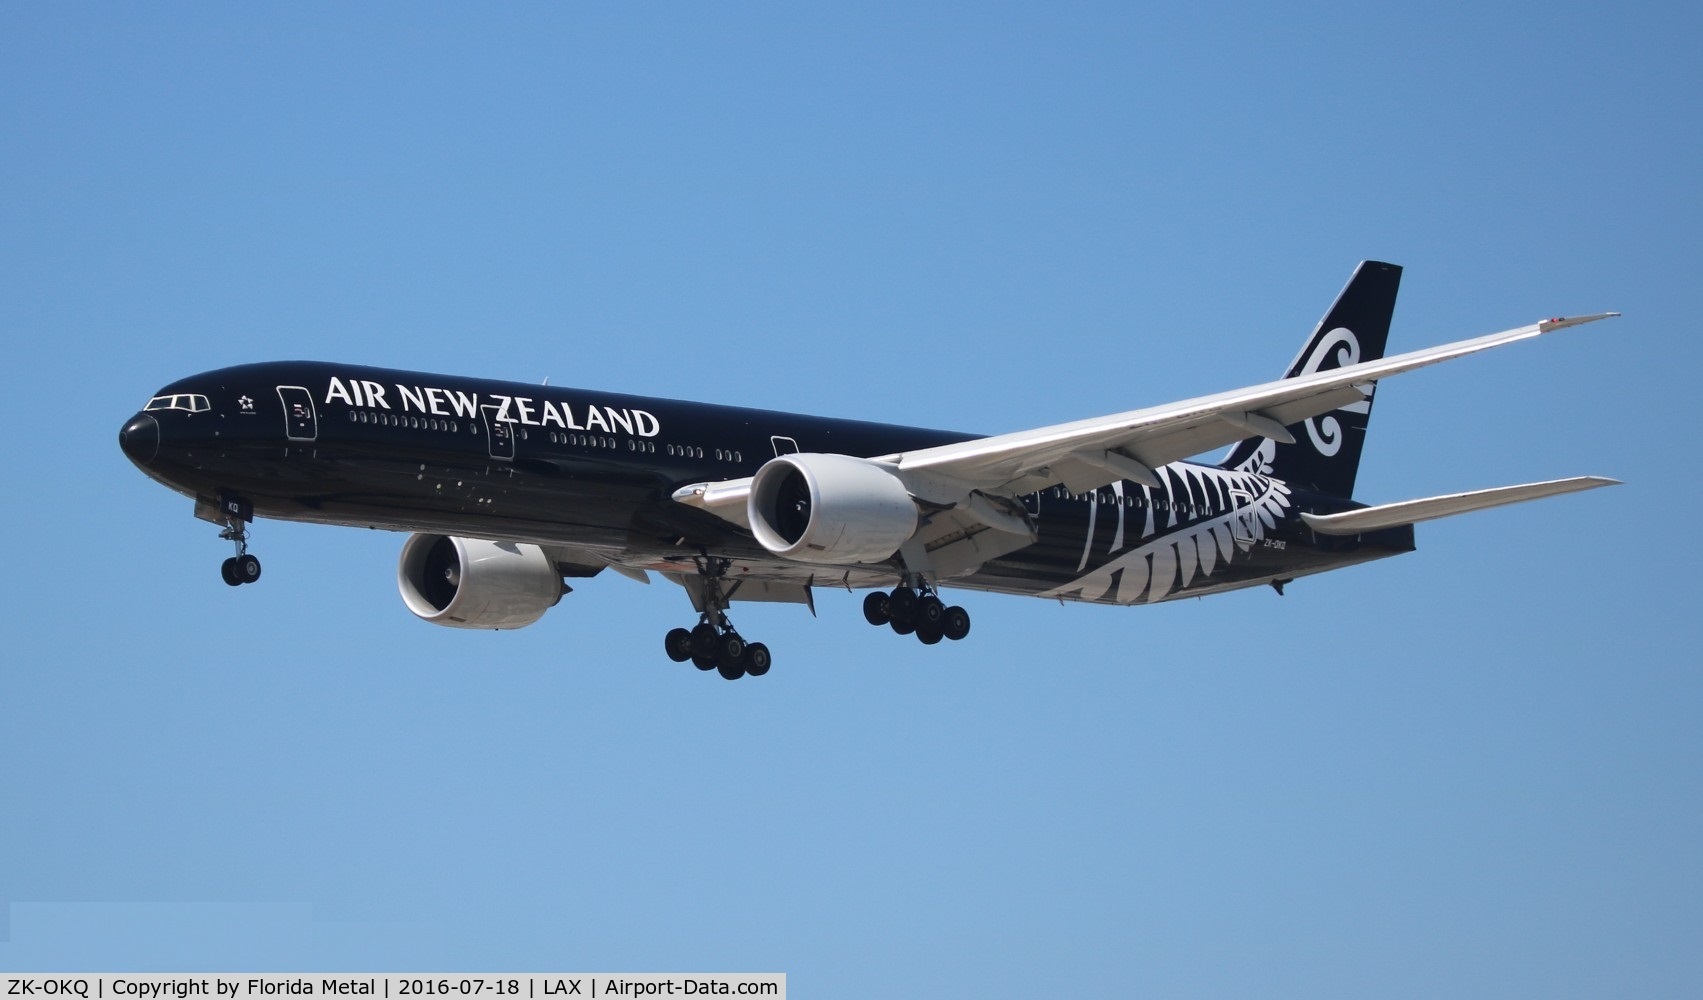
(730, 648)
(929, 611)
(678, 642)
(903, 628)
(228, 572)
(875, 608)
(731, 671)
(757, 660)
(955, 623)
(703, 662)
(929, 634)
(247, 569)
(902, 604)
(704, 639)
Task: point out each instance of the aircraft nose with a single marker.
(140, 438)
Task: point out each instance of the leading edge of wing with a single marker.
(1193, 425)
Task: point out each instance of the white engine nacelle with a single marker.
(829, 508)
(473, 583)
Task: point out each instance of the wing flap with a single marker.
(1391, 515)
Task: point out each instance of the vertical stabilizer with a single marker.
(1326, 452)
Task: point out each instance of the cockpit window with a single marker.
(187, 401)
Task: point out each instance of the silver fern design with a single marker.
(1242, 507)
(1260, 462)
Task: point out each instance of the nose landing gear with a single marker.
(233, 514)
(923, 614)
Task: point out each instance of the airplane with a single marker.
(510, 490)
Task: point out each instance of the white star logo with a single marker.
(247, 404)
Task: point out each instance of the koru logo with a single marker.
(1326, 432)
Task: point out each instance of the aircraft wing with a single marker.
(1088, 454)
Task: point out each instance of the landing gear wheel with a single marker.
(239, 570)
(929, 611)
(757, 659)
(955, 623)
(875, 608)
(929, 634)
(902, 604)
(703, 662)
(730, 649)
(704, 639)
(903, 628)
(731, 669)
(678, 642)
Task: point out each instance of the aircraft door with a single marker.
(1242, 521)
(783, 445)
(499, 434)
(301, 423)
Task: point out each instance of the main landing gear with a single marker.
(713, 644)
(922, 614)
(234, 514)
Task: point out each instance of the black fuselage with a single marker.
(341, 444)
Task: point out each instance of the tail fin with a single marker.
(1326, 452)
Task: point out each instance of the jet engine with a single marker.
(829, 508)
(473, 583)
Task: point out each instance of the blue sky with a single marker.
(1471, 771)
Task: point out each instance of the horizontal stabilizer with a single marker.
(1390, 515)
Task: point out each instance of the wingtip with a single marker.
(1562, 322)
(1580, 483)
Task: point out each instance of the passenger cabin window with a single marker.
(186, 401)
